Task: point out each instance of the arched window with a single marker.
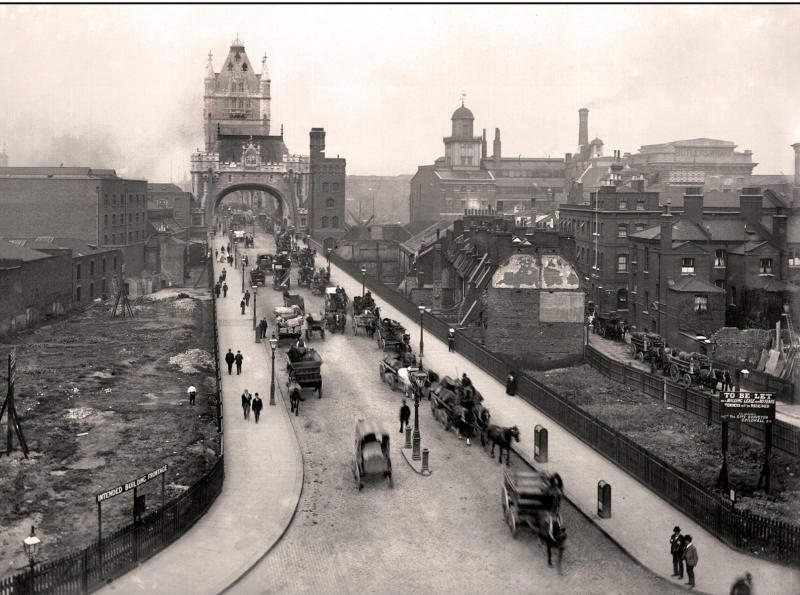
(78, 294)
(330, 203)
(325, 187)
(78, 272)
(113, 219)
(324, 223)
(336, 186)
(91, 268)
(91, 290)
(104, 264)
(113, 238)
(463, 189)
(335, 223)
(114, 199)
(137, 236)
(105, 291)
(130, 236)
(622, 299)
(115, 263)
(130, 217)
(244, 67)
(105, 220)
(105, 240)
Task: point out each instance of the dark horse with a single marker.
(554, 535)
(501, 437)
(294, 396)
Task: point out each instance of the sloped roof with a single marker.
(167, 187)
(418, 225)
(771, 284)
(691, 284)
(78, 246)
(10, 251)
(60, 172)
(427, 235)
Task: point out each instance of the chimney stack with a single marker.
(483, 145)
(666, 232)
(693, 204)
(796, 185)
(750, 202)
(496, 156)
(637, 183)
(583, 128)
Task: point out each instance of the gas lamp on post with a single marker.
(421, 331)
(255, 300)
(363, 280)
(31, 545)
(329, 264)
(273, 343)
(418, 377)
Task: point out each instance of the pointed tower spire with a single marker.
(209, 67)
(264, 70)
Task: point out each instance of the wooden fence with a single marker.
(744, 531)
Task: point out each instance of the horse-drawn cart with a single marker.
(642, 345)
(394, 371)
(391, 333)
(306, 369)
(315, 325)
(534, 499)
(372, 456)
(295, 299)
(281, 278)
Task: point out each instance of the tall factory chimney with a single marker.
(583, 129)
(496, 155)
(483, 145)
(796, 184)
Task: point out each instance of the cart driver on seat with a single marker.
(301, 348)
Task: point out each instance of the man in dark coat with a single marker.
(239, 358)
(405, 414)
(224, 290)
(263, 327)
(229, 359)
(243, 304)
(676, 549)
(511, 384)
(258, 405)
(451, 341)
(691, 557)
(247, 298)
(246, 400)
(217, 289)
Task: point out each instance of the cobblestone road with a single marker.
(440, 534)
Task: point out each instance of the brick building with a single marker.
(326, 204)
(34, 286)
(534, 311)
(600, 230)
(171, 202)
(467, 179)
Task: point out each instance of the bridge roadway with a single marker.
(440, 534)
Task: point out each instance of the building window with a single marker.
(324, 223)
(130, 199)
(105, 290)
(78, 272)
(640, 203)
(105, 240)
(622, 262)
(91, 268)
(466, 160)
(719, 258)
(137, 236)
(114, 200)
(639, 227)
(330, 203)
(335, 186)
(105, 200)
(137, 217)
(104, 264)
(105, 220)
(114, 220)
(130, 237)
(765, 266)
(646, 300)
(115, 263)
(687, 266)
(177, 215)
(623, 204)
(720, 283)
(91, 290)
(78, 294)
(635, 285)
(794, 261)
(622, 230)
(733, 295)
(335, 222)
(325, 187)
(130, 217)
(646, 259)
(113, 238)
(701, 302)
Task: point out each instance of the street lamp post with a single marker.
(242, 274)
(255, 296)
(329, 264)
(363, 280)
(421, 332)
(273, 343)
(419, 377)
(31, 545)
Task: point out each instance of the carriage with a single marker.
(280, 279)
(295, 299)
(645, 345)
(534, 499)
(290, 329)
(335, 309)
(685, 368)
(453, 405)
(264, 263)
(394, 371)
(305, 258)
(391, 333)
(305, 368)
(305, 276)
(372, 456)
(257, 277)
(365, 314)
(315, 325)
(609, 325)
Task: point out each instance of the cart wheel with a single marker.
(686, 381)
(383, 344)
(382, 372)
(640, 357)
(674, 373)
(602, 331)
(633, 350)
(390, 380)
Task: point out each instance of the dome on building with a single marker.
(597, 141)
(462, 113)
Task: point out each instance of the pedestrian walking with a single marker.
(405, 414)
(230, 259)
(263, 326)
(451, 341)
(224, 290)
(229, 359)
(511, 384)
(192, 392)
(216, 254)
(676, 546)
(258, 405)
(691, 557)
(223, 249)
(224, 274)
(247, 297)
(243, 304)
(246, 400)
(217, 289)
(246, 261)
(743, 585)
(239, 358)
(229, 247)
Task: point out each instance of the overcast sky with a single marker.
(122, 86)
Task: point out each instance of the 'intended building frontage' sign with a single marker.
(748, 407)
(131, 484)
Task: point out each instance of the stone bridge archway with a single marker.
(283, 208)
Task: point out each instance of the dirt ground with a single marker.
(683, 440)
(102, 401)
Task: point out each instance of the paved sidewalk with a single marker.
(263, 476)
(641, 522)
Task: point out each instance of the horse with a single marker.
(463, 420)
(294, 396)
(554, 535)
(482, 417)
(502, 438)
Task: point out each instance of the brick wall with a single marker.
(35, 291)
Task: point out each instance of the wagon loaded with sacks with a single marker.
(645, 345)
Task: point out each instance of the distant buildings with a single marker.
(465, 179)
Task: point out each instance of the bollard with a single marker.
(408, 437)
(603, 500)
(415, 452)
(540, 444)
(426, 470)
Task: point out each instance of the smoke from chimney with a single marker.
(583, 128)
